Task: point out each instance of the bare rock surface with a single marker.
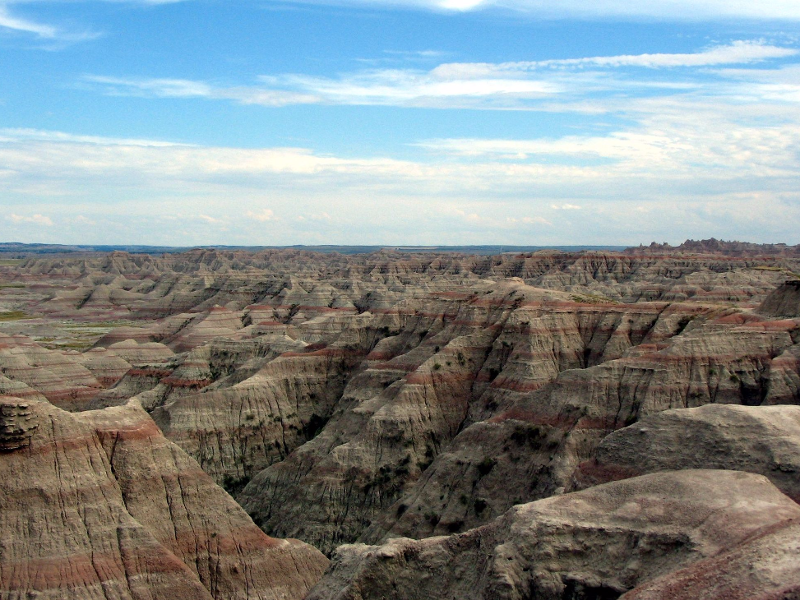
(364, 397)
(765, 566)
(598, 543)
(784, 301)
(57, 375)
(757, 439)
(539, 438)
(100, 505)
(18, 423)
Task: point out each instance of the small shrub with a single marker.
(486, 465)
(454, 526)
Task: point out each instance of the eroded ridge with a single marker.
(17, 423)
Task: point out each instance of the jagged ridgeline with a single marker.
(480, 426)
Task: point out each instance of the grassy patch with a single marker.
(783, 270)
(10, 262)
(15, 286)
(75, 345)
(12, 315)
(95, 325)
(591, 299)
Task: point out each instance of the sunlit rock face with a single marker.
(100, 505)
(361, 398)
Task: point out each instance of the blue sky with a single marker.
(410, 122)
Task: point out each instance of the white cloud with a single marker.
(510, 85)
(737, 52)
(379, 87)
(36, 219)
(672, 10)
(49, 35)
(686, 166)
(9, 21)
(529, 221)
(37, 135)
(186, 88)
(263, 216)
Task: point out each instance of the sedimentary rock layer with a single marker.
(597, 543)
(757, 439)
(100, 505)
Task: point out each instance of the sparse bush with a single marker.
(486, 465)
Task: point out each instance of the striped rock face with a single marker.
(665, 528)
(17, 424)
(100, 505)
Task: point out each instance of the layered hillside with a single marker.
(101, 505)
(360, 398)
(598, 543)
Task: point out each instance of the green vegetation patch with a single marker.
(777, 269)
(13, 315)
(591, 299)
(96, 325)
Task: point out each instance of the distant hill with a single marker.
(27, 249)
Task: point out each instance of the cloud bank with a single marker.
(687, 165)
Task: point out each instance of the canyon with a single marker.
(284, 423)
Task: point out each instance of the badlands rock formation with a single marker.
(346, 398)
(764, 566)
(763, 439)
(597, 543)
(784, 301)
(100, 505)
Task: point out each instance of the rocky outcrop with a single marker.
(783, 302)
(395, 394)
(598, 543)
(100, 505)
(764, 566)
(106, 365)
(18, 423)
(63, 380)
(761, 439)
(538, 439)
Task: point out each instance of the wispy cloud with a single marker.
(19, 24)
(53, 36)
(374, 87)
(185, 88)
(47, 35)
(262, 216)
(739, 52)
(36, 219)
(509, 85)
(672, 10)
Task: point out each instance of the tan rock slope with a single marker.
(784, 301)
(756, 439)
(765, 566)
(597, 543)
(365, 397)
(100, 505)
